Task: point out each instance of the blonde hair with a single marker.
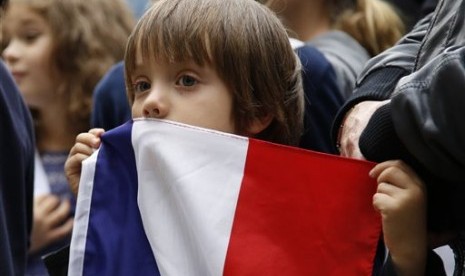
(375, 24)
(246, 44)
(88, 38)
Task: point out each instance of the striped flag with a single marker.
(164, 198)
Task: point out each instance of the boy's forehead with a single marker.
(140, 64)
(144, 58)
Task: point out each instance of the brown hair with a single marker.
(88, 37)
(247, 45)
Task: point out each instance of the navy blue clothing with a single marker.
(322, 99)
(16, 177)
(110, 104)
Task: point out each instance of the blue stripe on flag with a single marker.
(116, 241)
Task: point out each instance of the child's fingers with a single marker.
(382, 202)
(97, 132)
(88, 139)
(81, 148)
(396, 173)
(387, 188)
(39, 199)
(60, 214)
(408, 171)
(73, 163)
(47, 204)
(379, 168)
(394, 176)
(385, 197)
(62, 231)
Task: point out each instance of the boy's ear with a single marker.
(259, 124)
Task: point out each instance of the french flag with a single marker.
(164, 198)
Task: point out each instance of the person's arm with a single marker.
(424, 119)
(376, 83)
(423, 125)
(427, 114)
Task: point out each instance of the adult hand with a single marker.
(353, 125)
(51, 221)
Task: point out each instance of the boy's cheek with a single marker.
(136, 110)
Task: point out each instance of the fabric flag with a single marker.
(164, 198)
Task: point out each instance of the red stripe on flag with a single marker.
(303, 213)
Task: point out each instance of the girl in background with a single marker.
(347, 32)
(57, 51)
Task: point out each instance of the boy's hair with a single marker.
(245, 43)
(88, 38)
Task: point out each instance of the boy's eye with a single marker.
(187, 81)
(141, 86)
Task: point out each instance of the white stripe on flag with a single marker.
(186, 210)
(81, 216)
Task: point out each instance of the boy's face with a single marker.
(182, 92)
(28, 54)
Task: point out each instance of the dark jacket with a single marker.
(413, 10)
(16, 177)
(425, 78)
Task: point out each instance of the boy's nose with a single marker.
(156, 105)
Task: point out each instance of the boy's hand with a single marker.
(401, 201)
(51, 221)
(85, 145)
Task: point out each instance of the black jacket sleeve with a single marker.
(428, 113)
(423, 126)
(382, 72)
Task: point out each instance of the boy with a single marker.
(224, 65)
(200, 62)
